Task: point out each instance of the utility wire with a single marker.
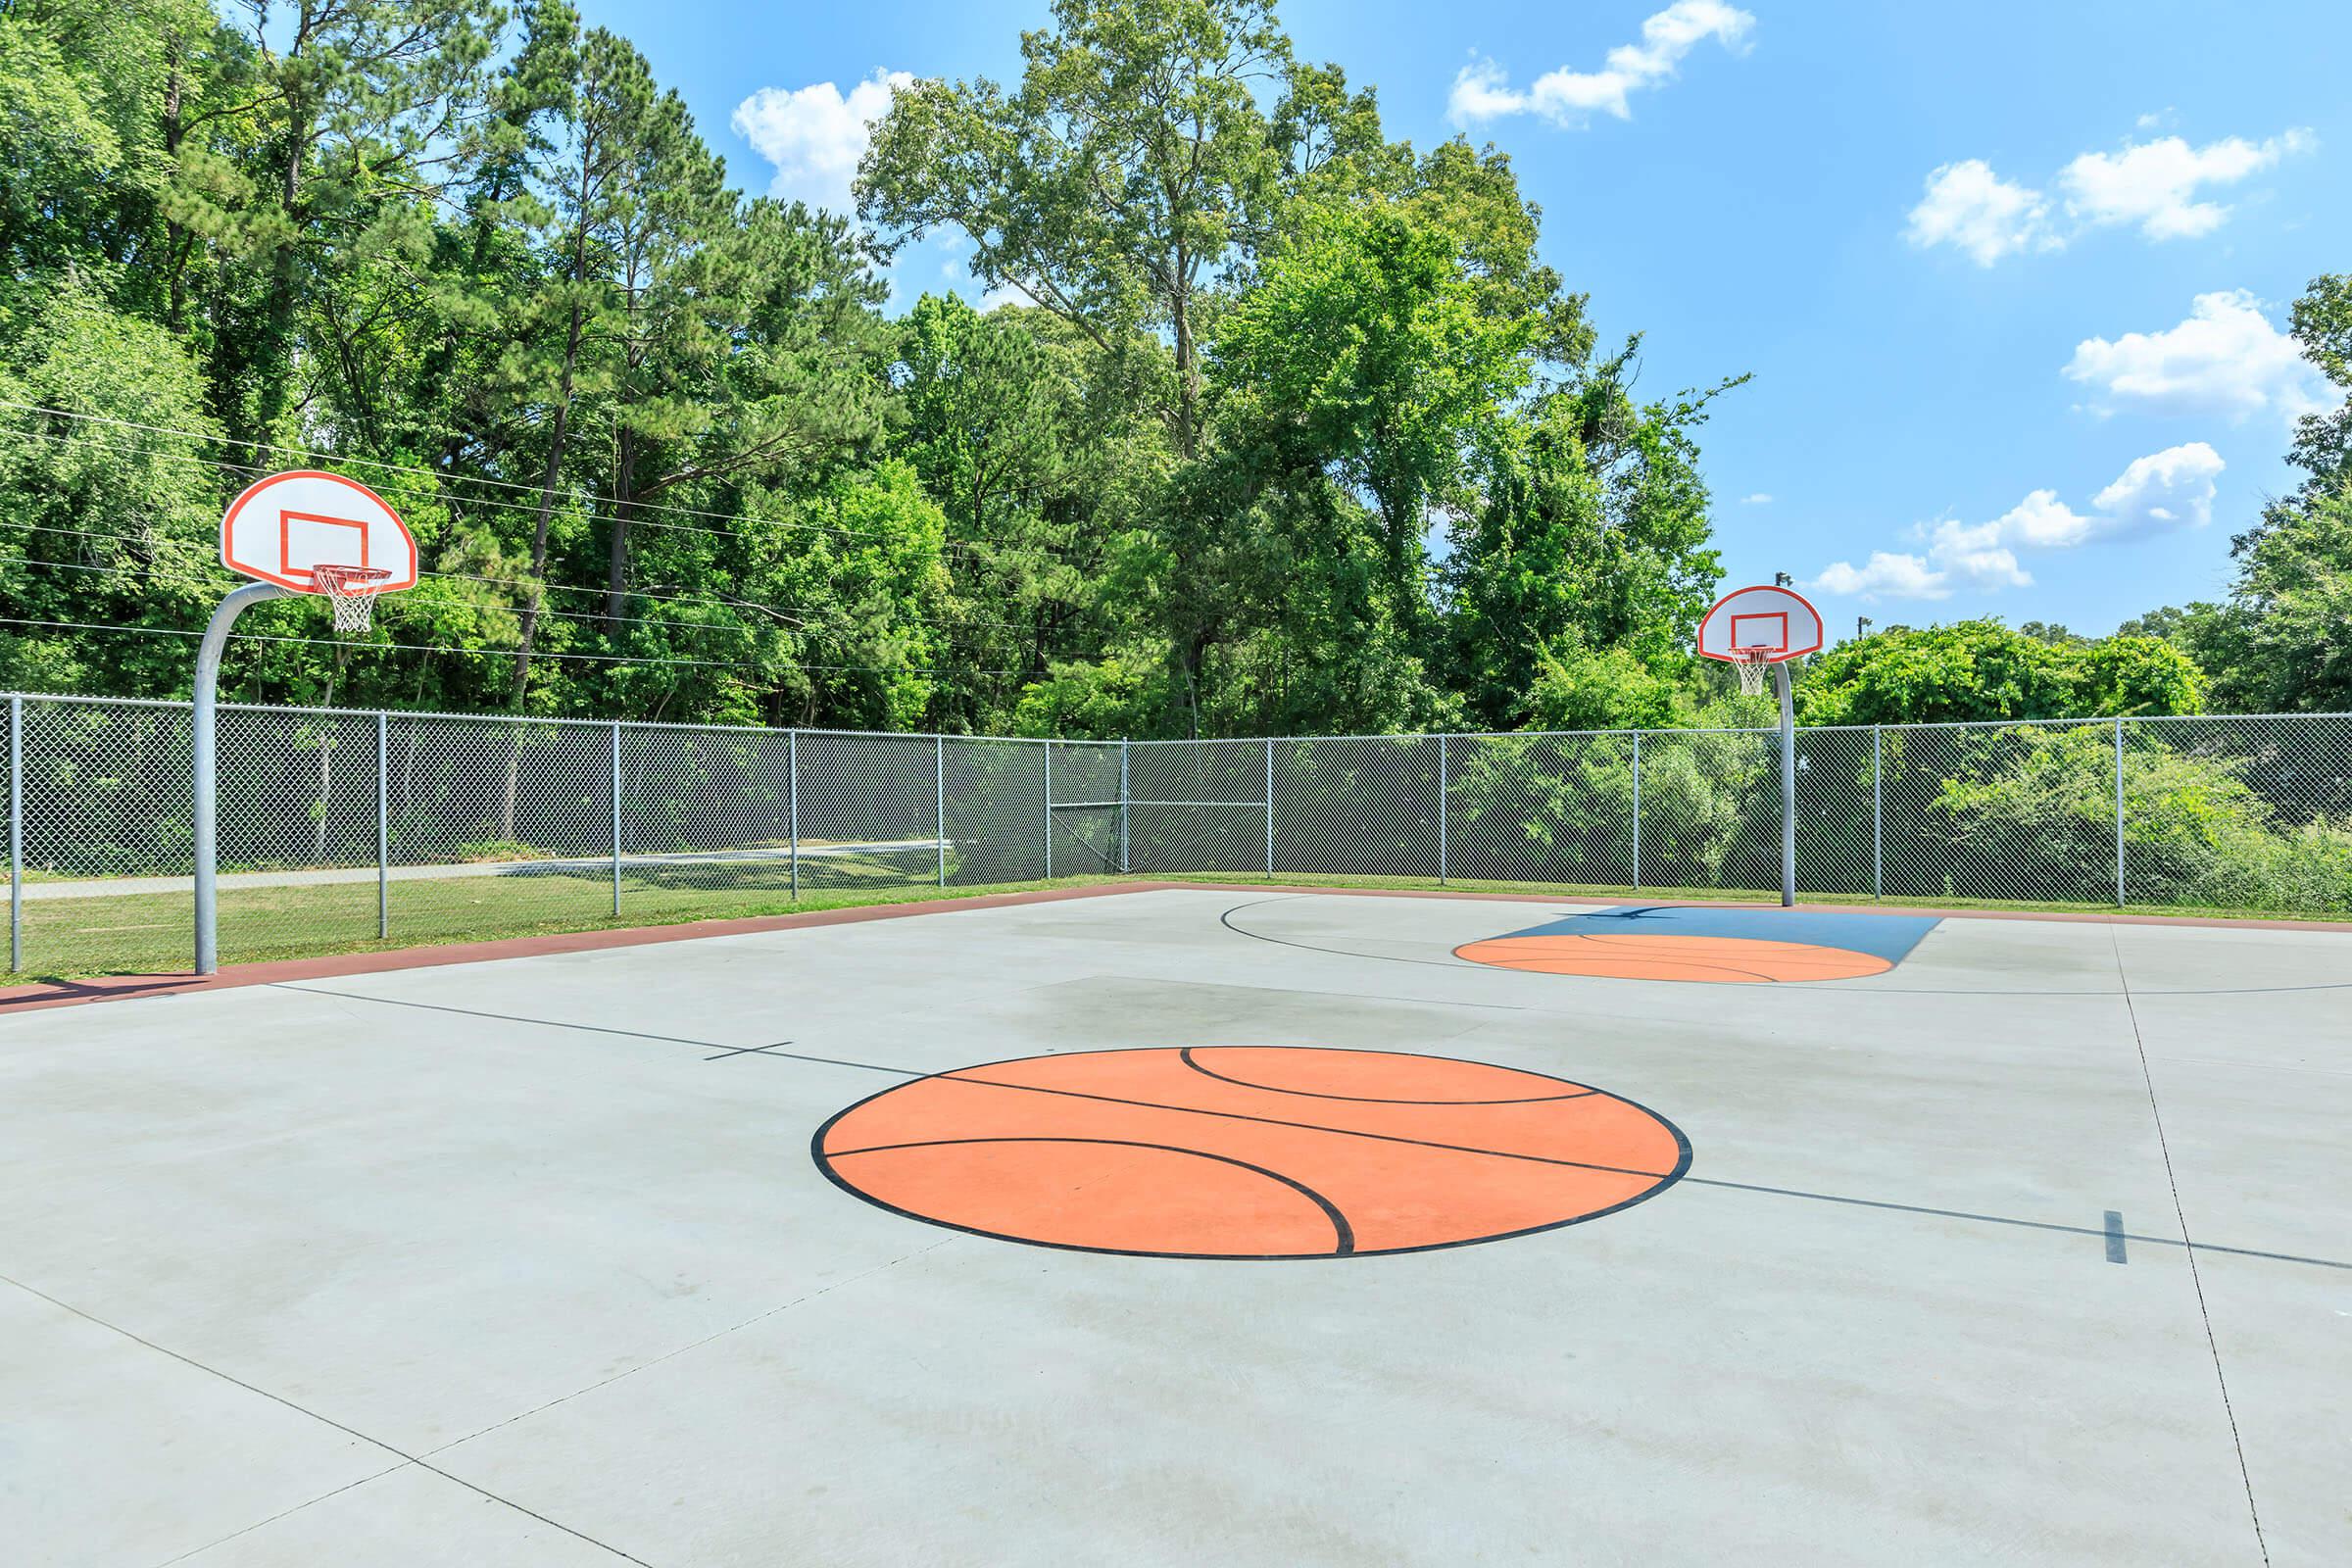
(497, 653)
(524, 585)
(438, 477)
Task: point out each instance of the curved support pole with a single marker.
(207, 675)
(1788, 787)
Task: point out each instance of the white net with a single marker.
(352, 591)
(1752, 666)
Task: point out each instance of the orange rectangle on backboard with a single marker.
(307, 539)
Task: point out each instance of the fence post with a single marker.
(1878, 817)
(1123, 860)
(15, 834)
(1445, 847)
(617, 817)
(792, 773)
(1270, 807)
(383, 827)
(2119, 812)
(1637, 810)
(1048, 744)
(939, 801)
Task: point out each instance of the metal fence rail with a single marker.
(342, 828)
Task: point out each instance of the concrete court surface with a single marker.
(528, 1262)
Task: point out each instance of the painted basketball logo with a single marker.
(1719, 947)
(1250, 1152)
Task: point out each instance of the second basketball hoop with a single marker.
(1752, 630)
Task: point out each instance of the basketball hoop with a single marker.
(352, 590)
(1751, 663)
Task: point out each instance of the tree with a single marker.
(1590, 532)
(1362, 352)
(1111, 189)
(1982, 670)
(348, 110)
(2284, 641)
(2322, 324)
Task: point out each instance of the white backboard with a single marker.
(1777, 621)
(284, 525)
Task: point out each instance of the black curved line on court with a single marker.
(1752, 977)
(1682, 1163)
(913, 1075)
(1226, 920)
(1345, 1232)
(956, 1076)
(1183, 1054)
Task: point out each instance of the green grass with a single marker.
(150, 933)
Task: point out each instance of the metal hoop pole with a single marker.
(202, 733)
(1788, 786)
(15, 834)
(383, 827)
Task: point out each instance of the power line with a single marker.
(438, 477)
(524, 585)
(497, 653)
(960, 546)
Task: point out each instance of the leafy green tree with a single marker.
(1362, 351)
(1114, 187)
(2284, 641)
(1589, 533)
(2322, 324)
(1982, 670)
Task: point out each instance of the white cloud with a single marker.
(2225, 360)
(2156, 494)
(1483, 91)
(2156, 184)
(1971, 208)
(1885, 575)
(815, 135)
(1759, 499)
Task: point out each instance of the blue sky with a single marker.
(2012, 282)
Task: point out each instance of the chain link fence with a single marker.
(342, 829)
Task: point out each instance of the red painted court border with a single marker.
(128, 987)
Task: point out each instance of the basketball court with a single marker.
(1186, 1225)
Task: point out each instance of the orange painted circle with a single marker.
(1719, 960)
(1248, 1152)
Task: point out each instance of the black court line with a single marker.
(394, 1449)
(1185, 1056)
(957, 1075)
(1854, 985)
(1345, 1232)
(913, 1074)
(752, 1051)
(592, 1028)
(2196, 1279)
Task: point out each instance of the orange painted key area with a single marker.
(1248, 1152)
(1719, 960)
